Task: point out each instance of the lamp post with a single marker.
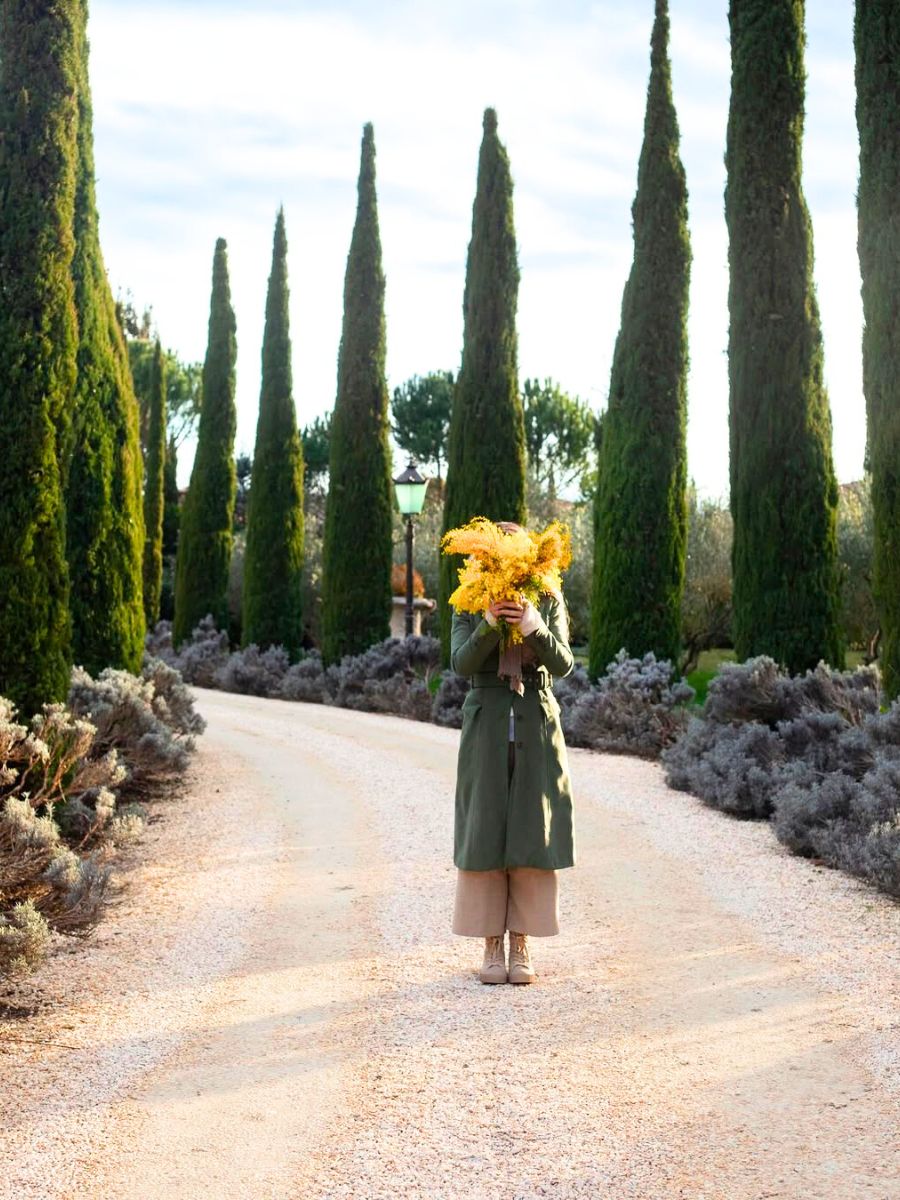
(410, 488)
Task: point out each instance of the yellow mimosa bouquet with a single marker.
(517, 566)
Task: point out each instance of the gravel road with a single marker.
(276, 1007)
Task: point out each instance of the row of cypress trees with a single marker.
(486, 454)
(784, 491)
(81, 542)
(273, 560)
(783, 486)
(357, 551)
(78, 576)
(357, 546)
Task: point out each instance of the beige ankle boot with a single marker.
(493, 969)
(521, 969)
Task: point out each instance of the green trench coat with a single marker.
(525, 821)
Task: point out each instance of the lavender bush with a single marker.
(60, 780)
(199, 659)
(369, 680)
(154, 730)
(253, 672)
(305, 680)
(758, 690)
(756, 718)
(45, 886)
(811, 752)
(446, 707)
(637, 707)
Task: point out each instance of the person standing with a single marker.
(513, 827)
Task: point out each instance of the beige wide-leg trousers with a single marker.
(524, 899)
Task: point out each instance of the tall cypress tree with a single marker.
(877, 41)
(357, 546)
(171, 516)
(205, 540)
(171, 501)
(783, 489)
(105, 522)
(273, 560)
(486, 443)
(38, 341)
(640, 517)
(153, 488)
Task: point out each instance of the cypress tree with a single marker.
(105, 523)
(171, 500)
(205, 540)
(38, 341)
(640, 517)
(153, 488)
(486, 442)
(273, 559)
(877, 43)
(170, 520)
(784, 492)
(357, 545)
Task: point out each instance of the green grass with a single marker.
(711, 660)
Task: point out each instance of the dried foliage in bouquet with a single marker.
(518, 565)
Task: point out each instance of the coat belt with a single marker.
(538, 678)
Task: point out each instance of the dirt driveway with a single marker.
(276, 1007)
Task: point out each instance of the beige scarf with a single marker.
(512, 659)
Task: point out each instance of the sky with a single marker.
(208, 116)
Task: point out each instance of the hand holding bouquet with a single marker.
(500, 566)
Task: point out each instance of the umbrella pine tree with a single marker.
(784, 492)
(640, 504)
(486, 443)
(357, 545)
(273, 560)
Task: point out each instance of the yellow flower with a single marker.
(516, 566)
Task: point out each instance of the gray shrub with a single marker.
(872, 853)
(637, 707)
(757, 690)
(305, 680)
(45, 886)
(24, 939)
(154, 735)
(812, 752)
(446, 706)
(367, 681)
(199, 659)
(735, 772)
(172, 702)
(253, 672)
(803, 815)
